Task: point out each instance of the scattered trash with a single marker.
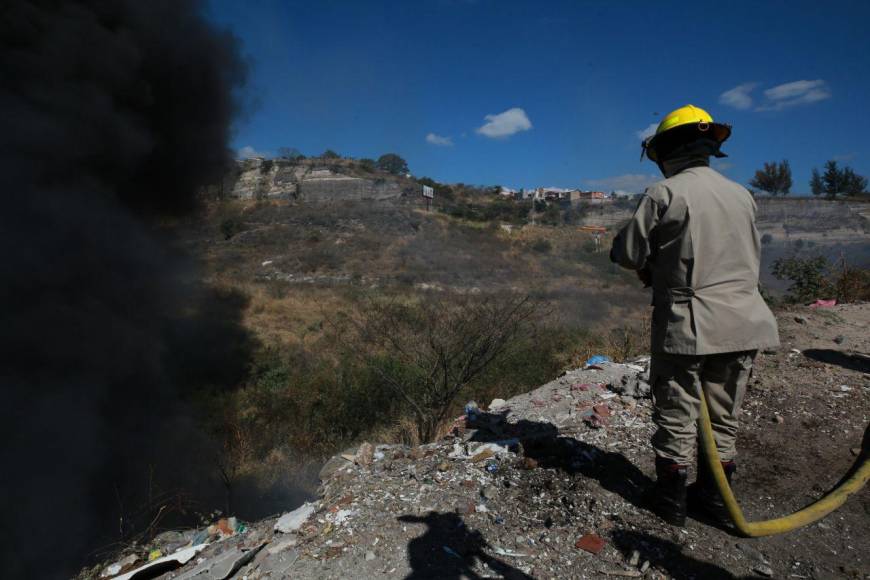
(292, 521)
(764, 570)
(365, 454)
(597, 360)
(801, 319)
(200, 537)
(165, 563)
(634, 560)
(119, 566)
(266, 263)
(823, 303)
(452, 552)
(592, 543)
(839, 339)
(224, 565)
(501, 447)
(497, 404)
(282, 544)
(370, 556)
(472, 412)
(154, 554)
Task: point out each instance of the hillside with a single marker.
(290, 270)
(527, 489)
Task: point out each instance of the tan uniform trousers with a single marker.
(676, 383)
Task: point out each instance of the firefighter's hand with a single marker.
(645, 276)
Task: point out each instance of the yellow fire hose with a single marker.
(808, 515)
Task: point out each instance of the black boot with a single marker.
(668, 497)
(703, 496)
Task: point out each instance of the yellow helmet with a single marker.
(694, 120)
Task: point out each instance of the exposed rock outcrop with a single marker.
(309, 180)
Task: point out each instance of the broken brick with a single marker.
(592, 543)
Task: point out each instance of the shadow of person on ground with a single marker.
(855, 362)
(667, 555)
(449, 550)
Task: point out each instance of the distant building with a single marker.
(561, 195)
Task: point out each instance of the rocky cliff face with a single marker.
(309, 180)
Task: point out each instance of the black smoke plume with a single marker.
(112, 114)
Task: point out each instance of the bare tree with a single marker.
(427, 352)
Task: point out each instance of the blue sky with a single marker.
(524, 94)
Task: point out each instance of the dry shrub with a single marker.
(427, 352)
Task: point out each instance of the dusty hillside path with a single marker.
(450, 510)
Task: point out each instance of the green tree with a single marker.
(835, 181)
(817, 186)
(774, 178)
(330, 154)
(853, 184)
(392, 163)
(367, 164)
(808, 277)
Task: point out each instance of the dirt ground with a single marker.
(511, 493)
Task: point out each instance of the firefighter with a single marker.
(693, 240)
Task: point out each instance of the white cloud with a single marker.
(720, 165)
(629, 182)
(248, 152)
(845, 157)
(648, 132)
(505, 124)
(738, 97)
(441, 141)
(795, 93)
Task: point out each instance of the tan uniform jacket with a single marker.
(695, 232)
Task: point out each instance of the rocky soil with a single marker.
(549, 484)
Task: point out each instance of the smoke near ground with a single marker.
(114, 113)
